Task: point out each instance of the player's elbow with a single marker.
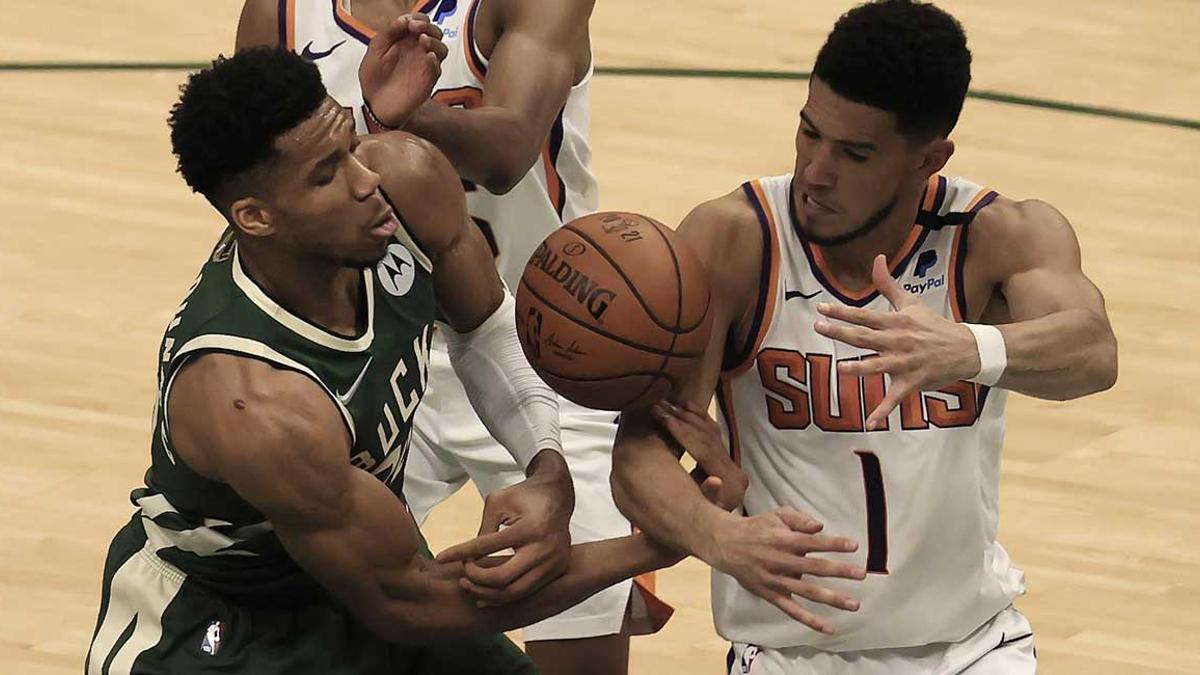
(504, 175)
(621, 481)
(399, 623)
(515, 152)
(1106, 368)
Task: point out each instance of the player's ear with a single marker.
(935, 155)
(251, 216)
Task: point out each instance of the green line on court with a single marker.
(980, 94)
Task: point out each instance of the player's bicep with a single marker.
(1043, 273)
(529, 77)
(535, 61)
(277, 439)
(258, 25)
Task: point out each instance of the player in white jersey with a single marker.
(872, 315)
(511, 111)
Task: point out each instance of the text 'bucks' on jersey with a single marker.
(920, 495)
(376, 381)
(558, 188)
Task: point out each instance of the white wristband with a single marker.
(993, 356)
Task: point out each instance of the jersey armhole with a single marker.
(736, 359)
(244, 347)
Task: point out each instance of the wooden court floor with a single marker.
(1100, 497)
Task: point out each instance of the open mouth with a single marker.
(386, 225)
(815, 207)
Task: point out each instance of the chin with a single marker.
(367, 258)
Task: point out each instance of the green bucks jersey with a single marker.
(375, 380)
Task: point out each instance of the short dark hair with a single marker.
(908, 58)
(229, 115)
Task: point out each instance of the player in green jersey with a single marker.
(270, 536)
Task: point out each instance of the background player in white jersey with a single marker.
(871, 315)
(511, 112)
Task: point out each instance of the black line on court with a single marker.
(979, 94)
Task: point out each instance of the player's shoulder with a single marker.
(725, 234)
(720, 222)
(420, 182)
(219, 401)
(405, 162)
(1009, 235)
(258, 24)
(1007, 221)
(510, 12)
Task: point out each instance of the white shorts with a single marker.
(450, 445)
(1002, 646)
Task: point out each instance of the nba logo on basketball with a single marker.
(212, 638)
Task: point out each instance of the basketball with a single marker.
(612, 310)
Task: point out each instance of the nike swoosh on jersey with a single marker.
(309, 54)
(345, 398)
(791, 295)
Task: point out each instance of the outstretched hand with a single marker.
(918, 348)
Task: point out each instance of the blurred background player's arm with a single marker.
(767, 553)
(277, 439)
(539, 50)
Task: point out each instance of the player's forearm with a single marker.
(489, 146)
(517, 407)
(448, 611)
(1060, 356)
(652, 490)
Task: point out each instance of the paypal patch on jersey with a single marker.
(927, 274)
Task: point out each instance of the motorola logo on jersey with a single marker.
(397, 271)
(586, 291)
(807, 389)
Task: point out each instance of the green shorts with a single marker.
(155, 621)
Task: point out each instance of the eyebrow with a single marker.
(331, 158)
(333, 155)
(858, 145)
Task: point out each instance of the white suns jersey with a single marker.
(920, 496)
(558, 188)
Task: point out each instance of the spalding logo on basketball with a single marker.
(612, 310)
(397, 270)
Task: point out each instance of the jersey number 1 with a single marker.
(877, 537)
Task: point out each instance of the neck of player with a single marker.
(851, 262)
(316, 290)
